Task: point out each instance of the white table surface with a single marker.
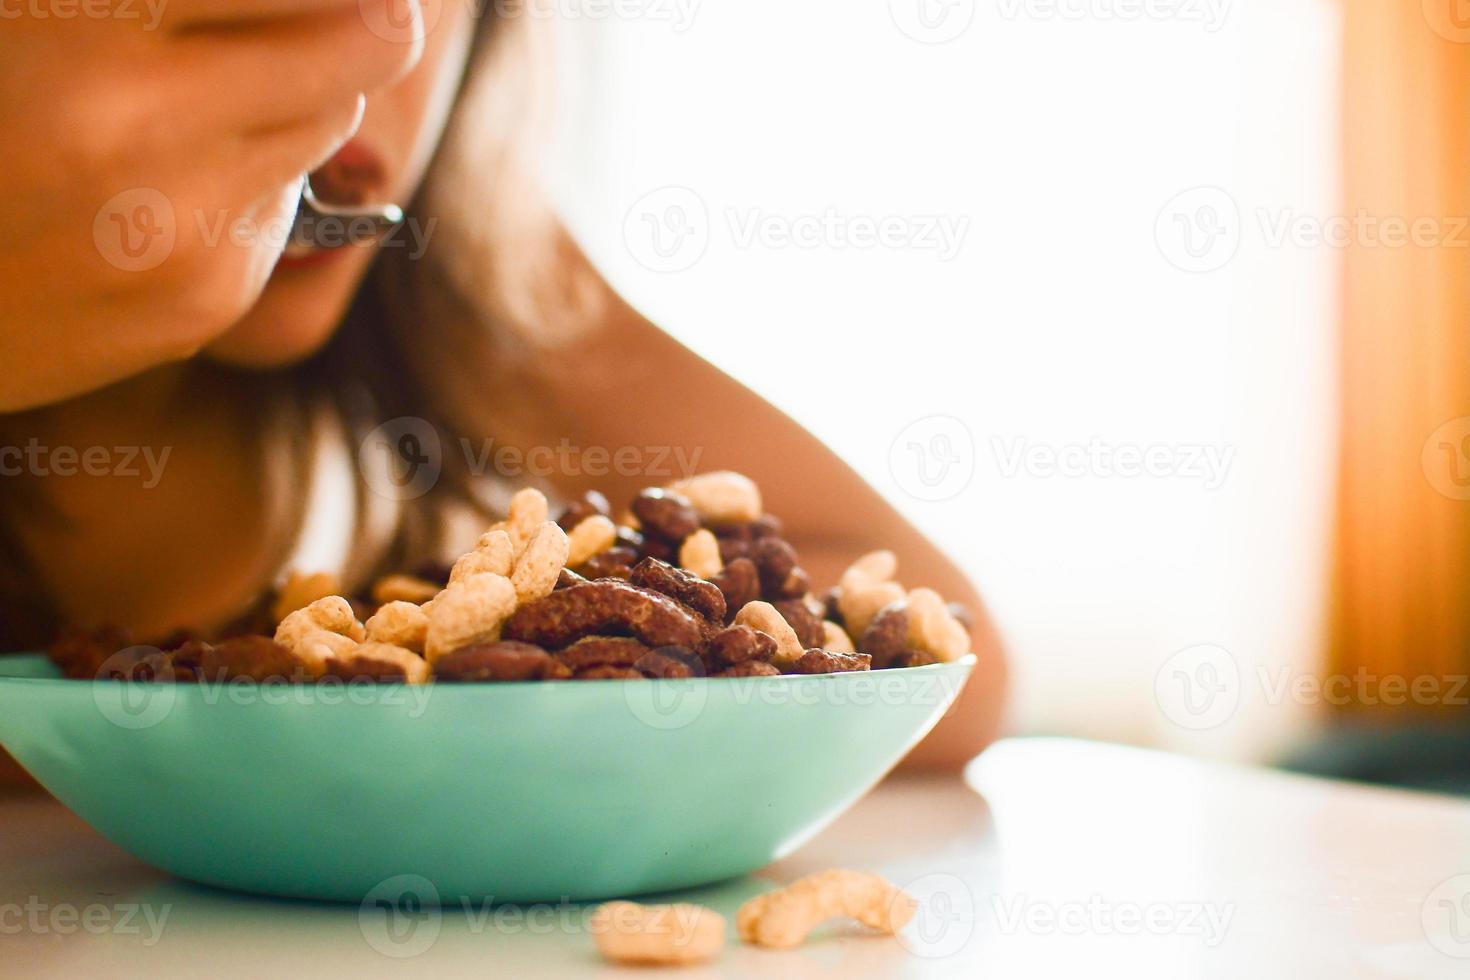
(1079, 860)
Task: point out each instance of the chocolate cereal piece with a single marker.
(668, 515)
(256, 658)
(615, 562)
(907, 658)
(827, 662)
(776, 561)
(888, 633)
(568, 578)
(585, 506)
(807, 624)
(740, 584)
(605, 651)
(81, 653)
(669, 662)
(738, 645)
(500, 661)
(609, 608)
(364, 668)
(605, 672)
(703, 597)
(751, 668)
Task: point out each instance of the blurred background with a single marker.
(1153, 313)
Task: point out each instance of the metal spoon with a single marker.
(322, 225)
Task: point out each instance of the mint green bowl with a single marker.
(512, 792)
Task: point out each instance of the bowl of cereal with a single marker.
(581, 708)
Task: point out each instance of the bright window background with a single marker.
(1059, 321)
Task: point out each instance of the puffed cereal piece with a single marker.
(528, 510)
(403, 588)
(415, 668)
(471, 611)
(321, 631)
(700, 554)
(764, 617)
(721, 497)
(933, 628)
(866, 587)
(836, 638)
(592, 536)
(627, 932)
(782, 919)
(399, 623)
(538, 566)
(494, 555)
(301, 590)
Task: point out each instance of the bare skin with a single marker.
(121, 360)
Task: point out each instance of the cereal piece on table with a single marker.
(764, 617)
(301, 590)
(721, 497)
(472, 610)
(504, 660)
(381, 661)
(933, 628)
(540, 562)
(835, 638)
(783, 918)
(399, 623)
(700, 554)
(403, 588)
(627, 932)
(591, 537)
(827, 662)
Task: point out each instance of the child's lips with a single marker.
(354, 175)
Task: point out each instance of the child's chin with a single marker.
(289, 323)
